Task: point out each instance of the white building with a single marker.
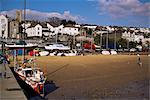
(132, 37)
(3, 26)
(71, 30)
(90, 26)
(45, 29)
(34, 31)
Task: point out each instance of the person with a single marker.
(139, 60)
(24, 65)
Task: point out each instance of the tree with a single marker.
(132, 44)
(140, 42)
(54, 21)
(64, 22)
(71, 22)
(89, 32)
(97, 39)
(122, 42)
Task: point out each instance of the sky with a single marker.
(132, 13)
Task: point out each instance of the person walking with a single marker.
(139, 60)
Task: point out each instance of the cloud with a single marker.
(37, 15)
(123, 8)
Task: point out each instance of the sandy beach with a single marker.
(97, 77)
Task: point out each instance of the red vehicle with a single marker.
(32, 53)
(89, 46)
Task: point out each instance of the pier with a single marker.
(9, 87)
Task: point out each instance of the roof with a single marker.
(44, 25)
(70, 25)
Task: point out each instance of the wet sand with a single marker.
(97, 77)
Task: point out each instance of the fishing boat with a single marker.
(32, 76)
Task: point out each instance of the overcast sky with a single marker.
(100, 12)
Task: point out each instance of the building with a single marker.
(3, 26)
(35, 30)
(71, 30)
(93, 27)
(132, 37)
(19, 15)
(13, 29)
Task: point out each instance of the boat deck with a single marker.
(9, 88)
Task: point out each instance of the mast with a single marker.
(115, 41)
(24, 31)
(15, 60)
(91, 40)
(101, 41)
(80, 38)
(107, 41)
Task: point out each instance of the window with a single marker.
(2, 20)
(38, 28)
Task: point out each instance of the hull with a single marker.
(14, 46)
(35, 84)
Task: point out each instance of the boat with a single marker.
(113, 52)
(55, 46)
(21, 44)
(44, 53)
(63, 53)
(32, 76)
(105, 52)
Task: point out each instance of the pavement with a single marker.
(9, 88)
